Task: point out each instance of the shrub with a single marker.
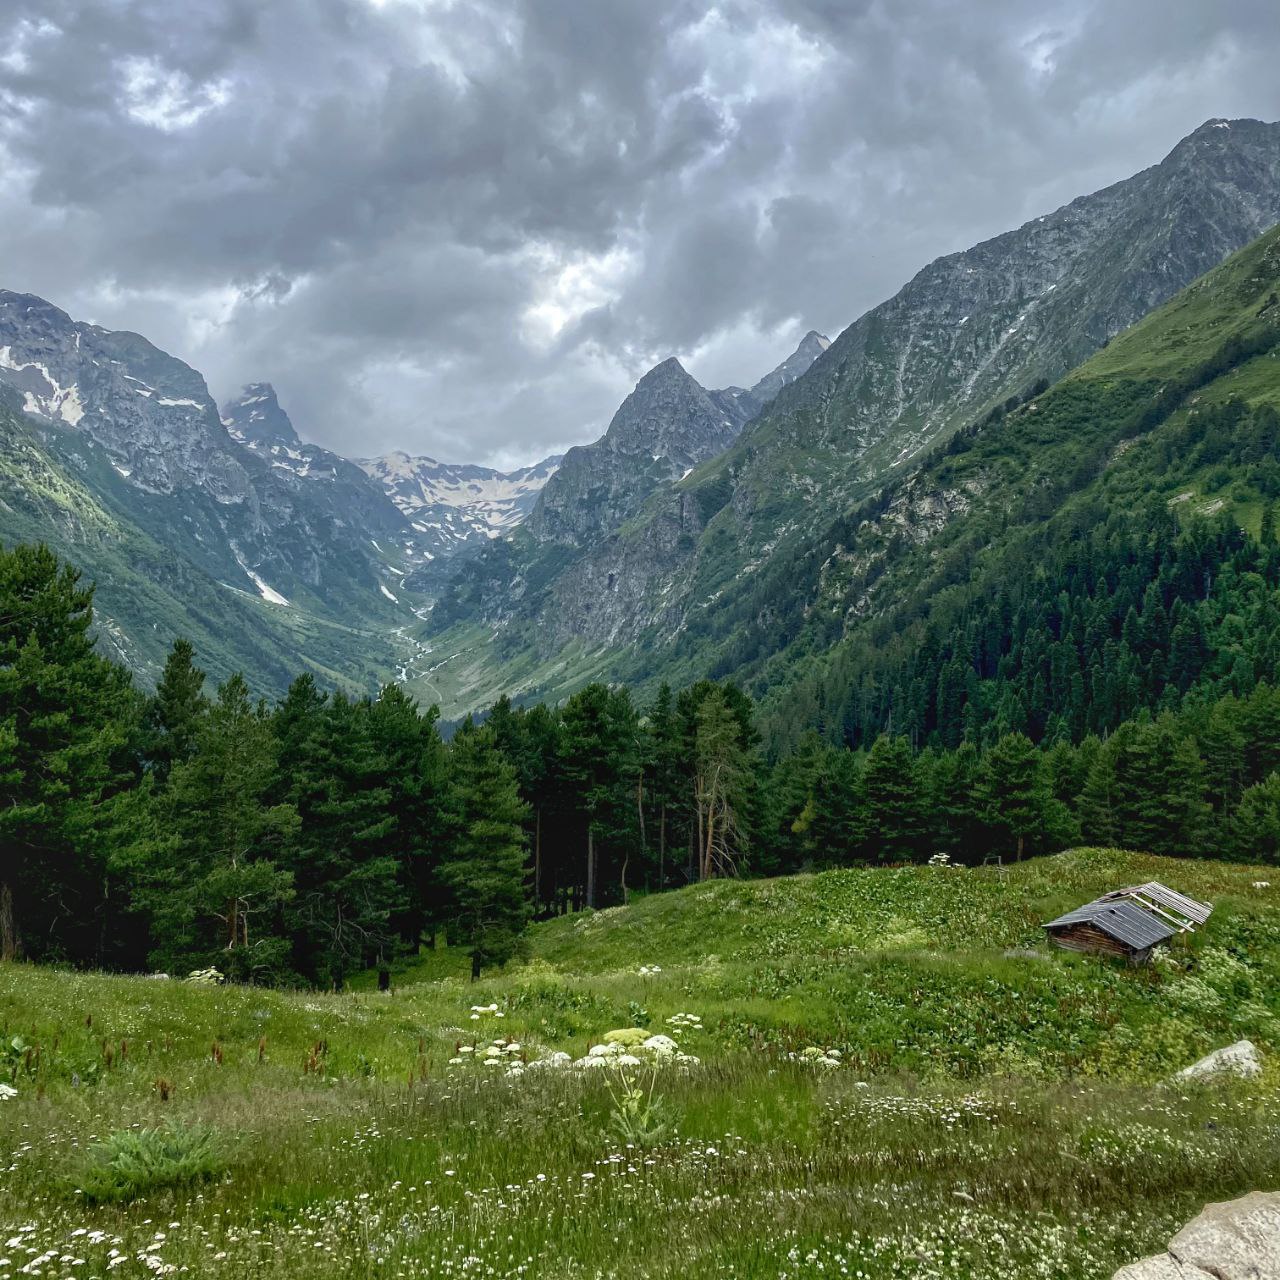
(134, 1162)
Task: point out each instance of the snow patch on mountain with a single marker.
(456, 503)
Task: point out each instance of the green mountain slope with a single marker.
(1140, 468)
(968, 333)
(58, 487)
(939, 602)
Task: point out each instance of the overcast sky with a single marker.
(464, 227)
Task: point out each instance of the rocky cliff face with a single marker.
(664, 429)
(289, 534)
(333, 484)
(151, 413)
(969, 331)
(256, 419)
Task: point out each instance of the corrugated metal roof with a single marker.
(1169, 899)
(1120, 919)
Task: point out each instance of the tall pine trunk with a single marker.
(662, 845)
(591, 865)
(537, 857)
(8, 925)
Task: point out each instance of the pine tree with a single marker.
(483, 868)
(68, 749)
(597, 725)
(1254, 833)
(415, 778)
(346, 881)
(174, 714)
(1162, 791)
(891, 796)
(1016, 798)
(1267, 532)
(954, 808)
(217, 876)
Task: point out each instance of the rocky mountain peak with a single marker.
(256, 418)
(812, 345)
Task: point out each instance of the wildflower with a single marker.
(650, 970)
(660, 1045)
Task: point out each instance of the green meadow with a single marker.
(882, 1073)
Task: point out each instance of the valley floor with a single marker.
(893, 1077)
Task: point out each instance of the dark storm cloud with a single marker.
(465, 227)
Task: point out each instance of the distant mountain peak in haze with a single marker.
(457, 503)
(812, 345)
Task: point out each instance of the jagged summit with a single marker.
(668, 425)
(812, 345)
(255, 417)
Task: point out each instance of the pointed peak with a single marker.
(669, 368)
(812, 345)
(255, 417)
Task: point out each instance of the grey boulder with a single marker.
(1235, 1240)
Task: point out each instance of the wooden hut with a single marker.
(1129, 922)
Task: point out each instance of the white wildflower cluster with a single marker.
(506, 1057)
(653, 1051)
(7, 1091)
(682, 1022)
(650, 970)
(894, 1109)
(479, 1011)
(209, 977)
(940, 860)
(813, 1056)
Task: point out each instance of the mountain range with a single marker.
(686, 586)
(701, 534)
(274, 554)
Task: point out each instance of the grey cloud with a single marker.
(385, 209)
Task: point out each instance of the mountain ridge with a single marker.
(924, 362)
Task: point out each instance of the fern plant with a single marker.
(134, 1162)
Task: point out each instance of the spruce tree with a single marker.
(174, 714)
(1016, 799)
(483, 870)
(346, 882)
(892, 802)
(217, 875)
(68, 742)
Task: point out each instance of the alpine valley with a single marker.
(775, 534)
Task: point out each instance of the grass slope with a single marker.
(149, 592)
(996, 1114)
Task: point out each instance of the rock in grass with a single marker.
(1235, 1240)
(1239, 1059)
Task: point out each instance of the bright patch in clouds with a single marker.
(571, 289)
(168, 100)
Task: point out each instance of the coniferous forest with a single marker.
(1130, 699)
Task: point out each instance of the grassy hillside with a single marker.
(995, 1110)
(57, 488)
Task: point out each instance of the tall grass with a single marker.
(993, 1115)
